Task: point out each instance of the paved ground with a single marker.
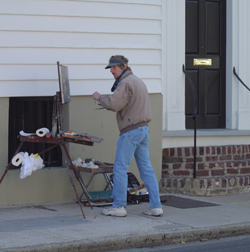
(61, 227)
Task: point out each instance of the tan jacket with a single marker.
(131, 102)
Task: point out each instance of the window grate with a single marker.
(29, 114)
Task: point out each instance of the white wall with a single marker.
(241, 63)
(238, 54)
(82, 35)
(173, 32)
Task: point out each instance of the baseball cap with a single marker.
(114, 61)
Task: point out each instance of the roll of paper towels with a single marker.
(17, 159)
(42, 132)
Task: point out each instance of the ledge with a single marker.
(205, 133)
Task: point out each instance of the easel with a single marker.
(58, 138)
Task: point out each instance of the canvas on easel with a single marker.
(63, 77)
(61, 101)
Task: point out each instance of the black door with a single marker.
(205, 62)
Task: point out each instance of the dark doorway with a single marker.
(205, 62)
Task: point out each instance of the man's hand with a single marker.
(96, 96)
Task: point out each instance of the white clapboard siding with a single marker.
(30, 88)
(82, 35)
(79, 24)
(77, 87)
(149, 9)
(67, 56)
(78, 40)
(47, 72)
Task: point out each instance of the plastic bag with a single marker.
(30, 163)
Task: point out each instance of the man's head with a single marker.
(117, 64)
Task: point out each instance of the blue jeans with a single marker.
(134, 142)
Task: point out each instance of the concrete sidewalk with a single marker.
(61, 227)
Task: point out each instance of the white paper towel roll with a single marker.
(17, 159)
(42, 132)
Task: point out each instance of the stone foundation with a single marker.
(220, 170)
(206, 186)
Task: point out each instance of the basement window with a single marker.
(29, 114)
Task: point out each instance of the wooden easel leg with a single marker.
(69, 164)
(6, 170)
(78, 199)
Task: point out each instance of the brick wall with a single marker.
(212, 161)
(219, 170)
